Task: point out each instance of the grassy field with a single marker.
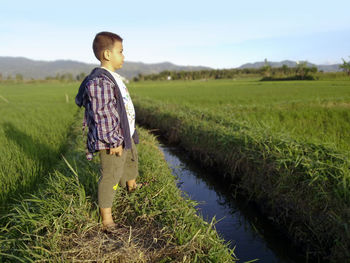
(56, 218)
(316, 112)
(34, 125)
(285, 144)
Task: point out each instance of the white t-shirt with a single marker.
(129, 106)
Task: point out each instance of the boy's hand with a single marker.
(117, 151)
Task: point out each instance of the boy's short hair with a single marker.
(104, 40)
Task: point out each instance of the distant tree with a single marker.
(66, 77)
(9, 77)
(266, 69)
(140, 77)
(69, 76)
(285, 69)
(19, 77)
(80, 76)
(345, 67)
(313, 69)
(0, 76)
(302, 69)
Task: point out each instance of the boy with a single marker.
(110, 118)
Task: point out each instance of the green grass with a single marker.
(60, 222)
(309, 111)
(53, 213)
(285, 144)
(34, 125)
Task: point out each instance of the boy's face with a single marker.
(116, 57)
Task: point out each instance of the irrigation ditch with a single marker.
(239, 221)
(317, 228)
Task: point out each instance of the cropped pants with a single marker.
(116, 170)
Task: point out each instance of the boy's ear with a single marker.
(106, 54)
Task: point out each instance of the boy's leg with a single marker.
(112, 168)
(106, 214)
(131, 171)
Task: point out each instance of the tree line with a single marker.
(266, 72)
(300, 72)
(65, 77)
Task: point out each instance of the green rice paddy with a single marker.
(285, 144)
(35, 121)
(309, 111)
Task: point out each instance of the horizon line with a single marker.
(163, 62)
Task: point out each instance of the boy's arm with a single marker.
(104, 107)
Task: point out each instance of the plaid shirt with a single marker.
(103, 112)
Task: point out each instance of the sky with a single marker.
(218, 34)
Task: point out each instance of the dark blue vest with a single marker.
(81, 100)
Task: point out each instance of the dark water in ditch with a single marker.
(238, 222)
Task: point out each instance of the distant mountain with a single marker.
(290, 63)
(329, 68)
(132, 69)
(37, 69)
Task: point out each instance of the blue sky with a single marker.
(219, 34)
